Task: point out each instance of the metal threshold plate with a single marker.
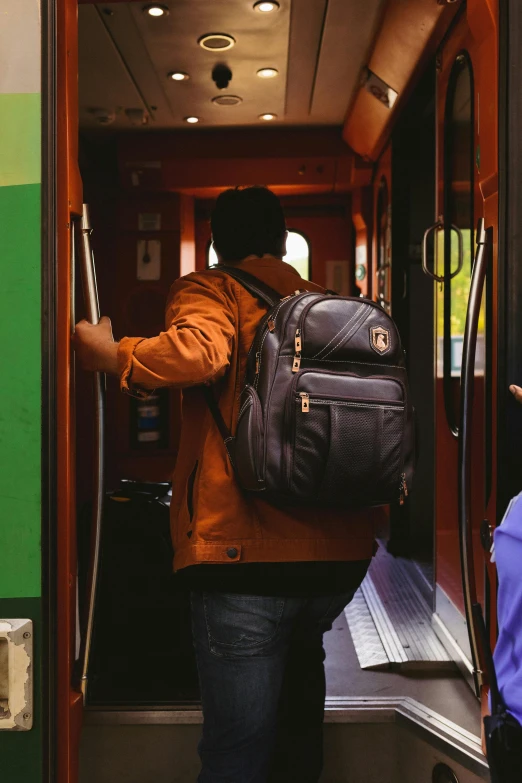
(390, 623)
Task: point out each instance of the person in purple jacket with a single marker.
(508, 650)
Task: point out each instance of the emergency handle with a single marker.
(427, 271)
(465, 443)
(90, 294)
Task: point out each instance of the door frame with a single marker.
(476, 31)
(49, 407)
(66, 188)
(509, 413)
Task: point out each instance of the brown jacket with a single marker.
(210, 324)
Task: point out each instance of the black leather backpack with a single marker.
(325, 416)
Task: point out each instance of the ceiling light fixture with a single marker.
(267, 117)
(265, 7)
(156, 10)
(192, 120)
(216, 42)
(179, 76)
(268, 73)
(227, 100)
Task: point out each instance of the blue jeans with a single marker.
(261, 671)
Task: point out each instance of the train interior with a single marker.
(335, 105)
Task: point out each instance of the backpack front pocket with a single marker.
(346, 451)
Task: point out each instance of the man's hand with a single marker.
(516, 391)
(95, 346)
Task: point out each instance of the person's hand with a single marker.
(516, 391)
(95, 346)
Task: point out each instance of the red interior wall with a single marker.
(136, 308)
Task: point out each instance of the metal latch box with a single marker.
(16, 675)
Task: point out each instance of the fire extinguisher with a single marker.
(150, 421)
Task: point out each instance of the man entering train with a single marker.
(266, 583)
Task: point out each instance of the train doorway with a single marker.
(150, 173)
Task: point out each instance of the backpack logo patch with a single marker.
(380, 339)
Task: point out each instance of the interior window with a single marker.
(297, 254)
(456, 242)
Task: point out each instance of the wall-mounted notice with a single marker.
(149, 221)
(338, 277)
(149, 259)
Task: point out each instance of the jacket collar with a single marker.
(251, 263)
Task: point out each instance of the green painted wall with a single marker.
(21, 753)
(20, 134)
(20, 299)
(20, 393)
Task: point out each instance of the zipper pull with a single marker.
(258, 362)
(297, 357)
(271, 324)
(305, 402)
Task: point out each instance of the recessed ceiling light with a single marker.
(267, 73)
(268, 117)
(266, 6)
(192, 120)
(216, 42)
(179, 76)
(155, 9)
(227, 100)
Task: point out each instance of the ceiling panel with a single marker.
(306, 29)
(349, 29)
(318, 47)
(151, 48)
(104, 81)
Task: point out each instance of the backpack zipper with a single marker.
(297, 355)
(269, 326)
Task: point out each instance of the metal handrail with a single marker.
(465, 443)
(92, 307)
(427, 271)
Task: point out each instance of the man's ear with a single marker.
(283, 245)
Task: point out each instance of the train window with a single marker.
(297, 254)
(212, 258)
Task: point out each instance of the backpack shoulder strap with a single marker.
(270, 297)
(254, 286)
(228, 438)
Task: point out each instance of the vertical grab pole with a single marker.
(90, 293)
(465, 451)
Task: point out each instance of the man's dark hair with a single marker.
(246, 222)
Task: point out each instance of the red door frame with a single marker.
(476, 32)
(69, 203)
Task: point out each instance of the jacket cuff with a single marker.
(126, 349)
